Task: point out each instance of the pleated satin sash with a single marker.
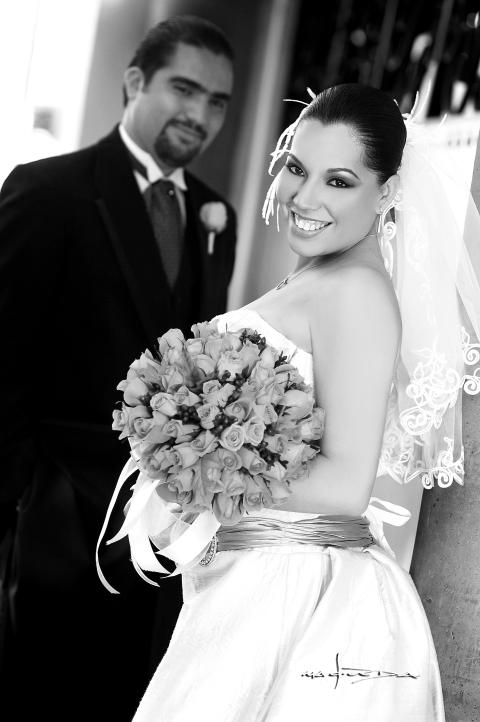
(337, 531)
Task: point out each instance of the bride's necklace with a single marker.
(294, 274)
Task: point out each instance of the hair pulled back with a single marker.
(374, 117)
(158, 46)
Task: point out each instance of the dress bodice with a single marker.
(248, 318)
(378, 511)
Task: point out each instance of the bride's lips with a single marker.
(307, 227)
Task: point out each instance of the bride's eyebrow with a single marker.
(344, 170)
(292, 156)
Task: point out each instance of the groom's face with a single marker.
(178, 113)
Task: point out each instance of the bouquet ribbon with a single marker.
(380, 512)
(151, 519)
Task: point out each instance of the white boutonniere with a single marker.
(214, 218)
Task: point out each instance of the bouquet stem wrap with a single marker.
(150, 518)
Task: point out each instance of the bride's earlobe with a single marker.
(390, 194)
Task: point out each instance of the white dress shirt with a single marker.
(155, 173)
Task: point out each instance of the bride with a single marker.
(305, 630)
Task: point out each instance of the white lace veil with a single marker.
(432, 259)
(431, 249)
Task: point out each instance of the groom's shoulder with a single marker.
(60, 172)
(203, 193)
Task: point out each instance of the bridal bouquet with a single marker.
(219, 424)
(221, 418)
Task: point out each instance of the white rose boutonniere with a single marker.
(214, 218)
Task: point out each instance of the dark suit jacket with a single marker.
(82, 293)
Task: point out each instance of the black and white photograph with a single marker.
(240, 361)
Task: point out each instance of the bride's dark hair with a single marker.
(375, 118)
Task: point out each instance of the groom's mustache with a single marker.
(190, 125)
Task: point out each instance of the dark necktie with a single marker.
(164, 212)
(165, 216)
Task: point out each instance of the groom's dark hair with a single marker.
(160, 43)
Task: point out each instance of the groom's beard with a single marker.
(171, 151)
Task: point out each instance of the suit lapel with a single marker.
(208, 267)
(123, 212)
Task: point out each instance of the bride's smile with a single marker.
(308, 226)
(330, 197)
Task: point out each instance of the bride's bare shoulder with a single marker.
(356, 295)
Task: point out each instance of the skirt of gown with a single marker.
(298, 633)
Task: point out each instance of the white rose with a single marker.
(214, 218)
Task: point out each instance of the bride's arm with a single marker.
(355, 338)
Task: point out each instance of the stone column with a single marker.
(446, 565)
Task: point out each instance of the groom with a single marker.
(101, 251)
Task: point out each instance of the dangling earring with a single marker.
(386, 231)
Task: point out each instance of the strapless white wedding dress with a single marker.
(297, 633)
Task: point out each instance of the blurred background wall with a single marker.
(62, 65)
(66, 60)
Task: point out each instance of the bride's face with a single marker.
(329, 196)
